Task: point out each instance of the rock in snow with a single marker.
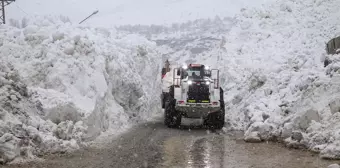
(297, 136)
(333, 166)
(252, 137)
(334, 105)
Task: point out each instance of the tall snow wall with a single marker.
(63, 85)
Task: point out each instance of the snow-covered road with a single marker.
(154, 145)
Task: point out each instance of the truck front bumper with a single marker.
(197, 110)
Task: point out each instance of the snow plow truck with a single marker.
(192, 91)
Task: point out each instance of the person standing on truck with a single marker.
(166, 68)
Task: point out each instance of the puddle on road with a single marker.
(217, 151)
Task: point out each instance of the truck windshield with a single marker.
(195, 73)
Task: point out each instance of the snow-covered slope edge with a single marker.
(283, 92)
(80, 82)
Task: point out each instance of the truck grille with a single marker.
(198, 93)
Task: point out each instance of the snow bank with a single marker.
(63, 85)
(333, 166)
(280, 89)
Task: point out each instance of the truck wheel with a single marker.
(215, 120)
(163, 101)
(219, 119)
(164, 98)
(171, 117)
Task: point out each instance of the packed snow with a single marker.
(282, 90)
(64, 85)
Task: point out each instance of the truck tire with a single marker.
(172, 118)
(164, 98)
(217, 120)
(220, 118)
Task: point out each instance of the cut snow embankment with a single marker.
(63, 85)
(280, 90)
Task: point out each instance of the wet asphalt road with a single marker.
(154, 145)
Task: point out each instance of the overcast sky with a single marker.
(117, 12)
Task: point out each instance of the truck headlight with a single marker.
(189, 82)
(207, 83)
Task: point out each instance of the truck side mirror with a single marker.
(178, 72)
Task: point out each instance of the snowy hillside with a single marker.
(63, 85)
